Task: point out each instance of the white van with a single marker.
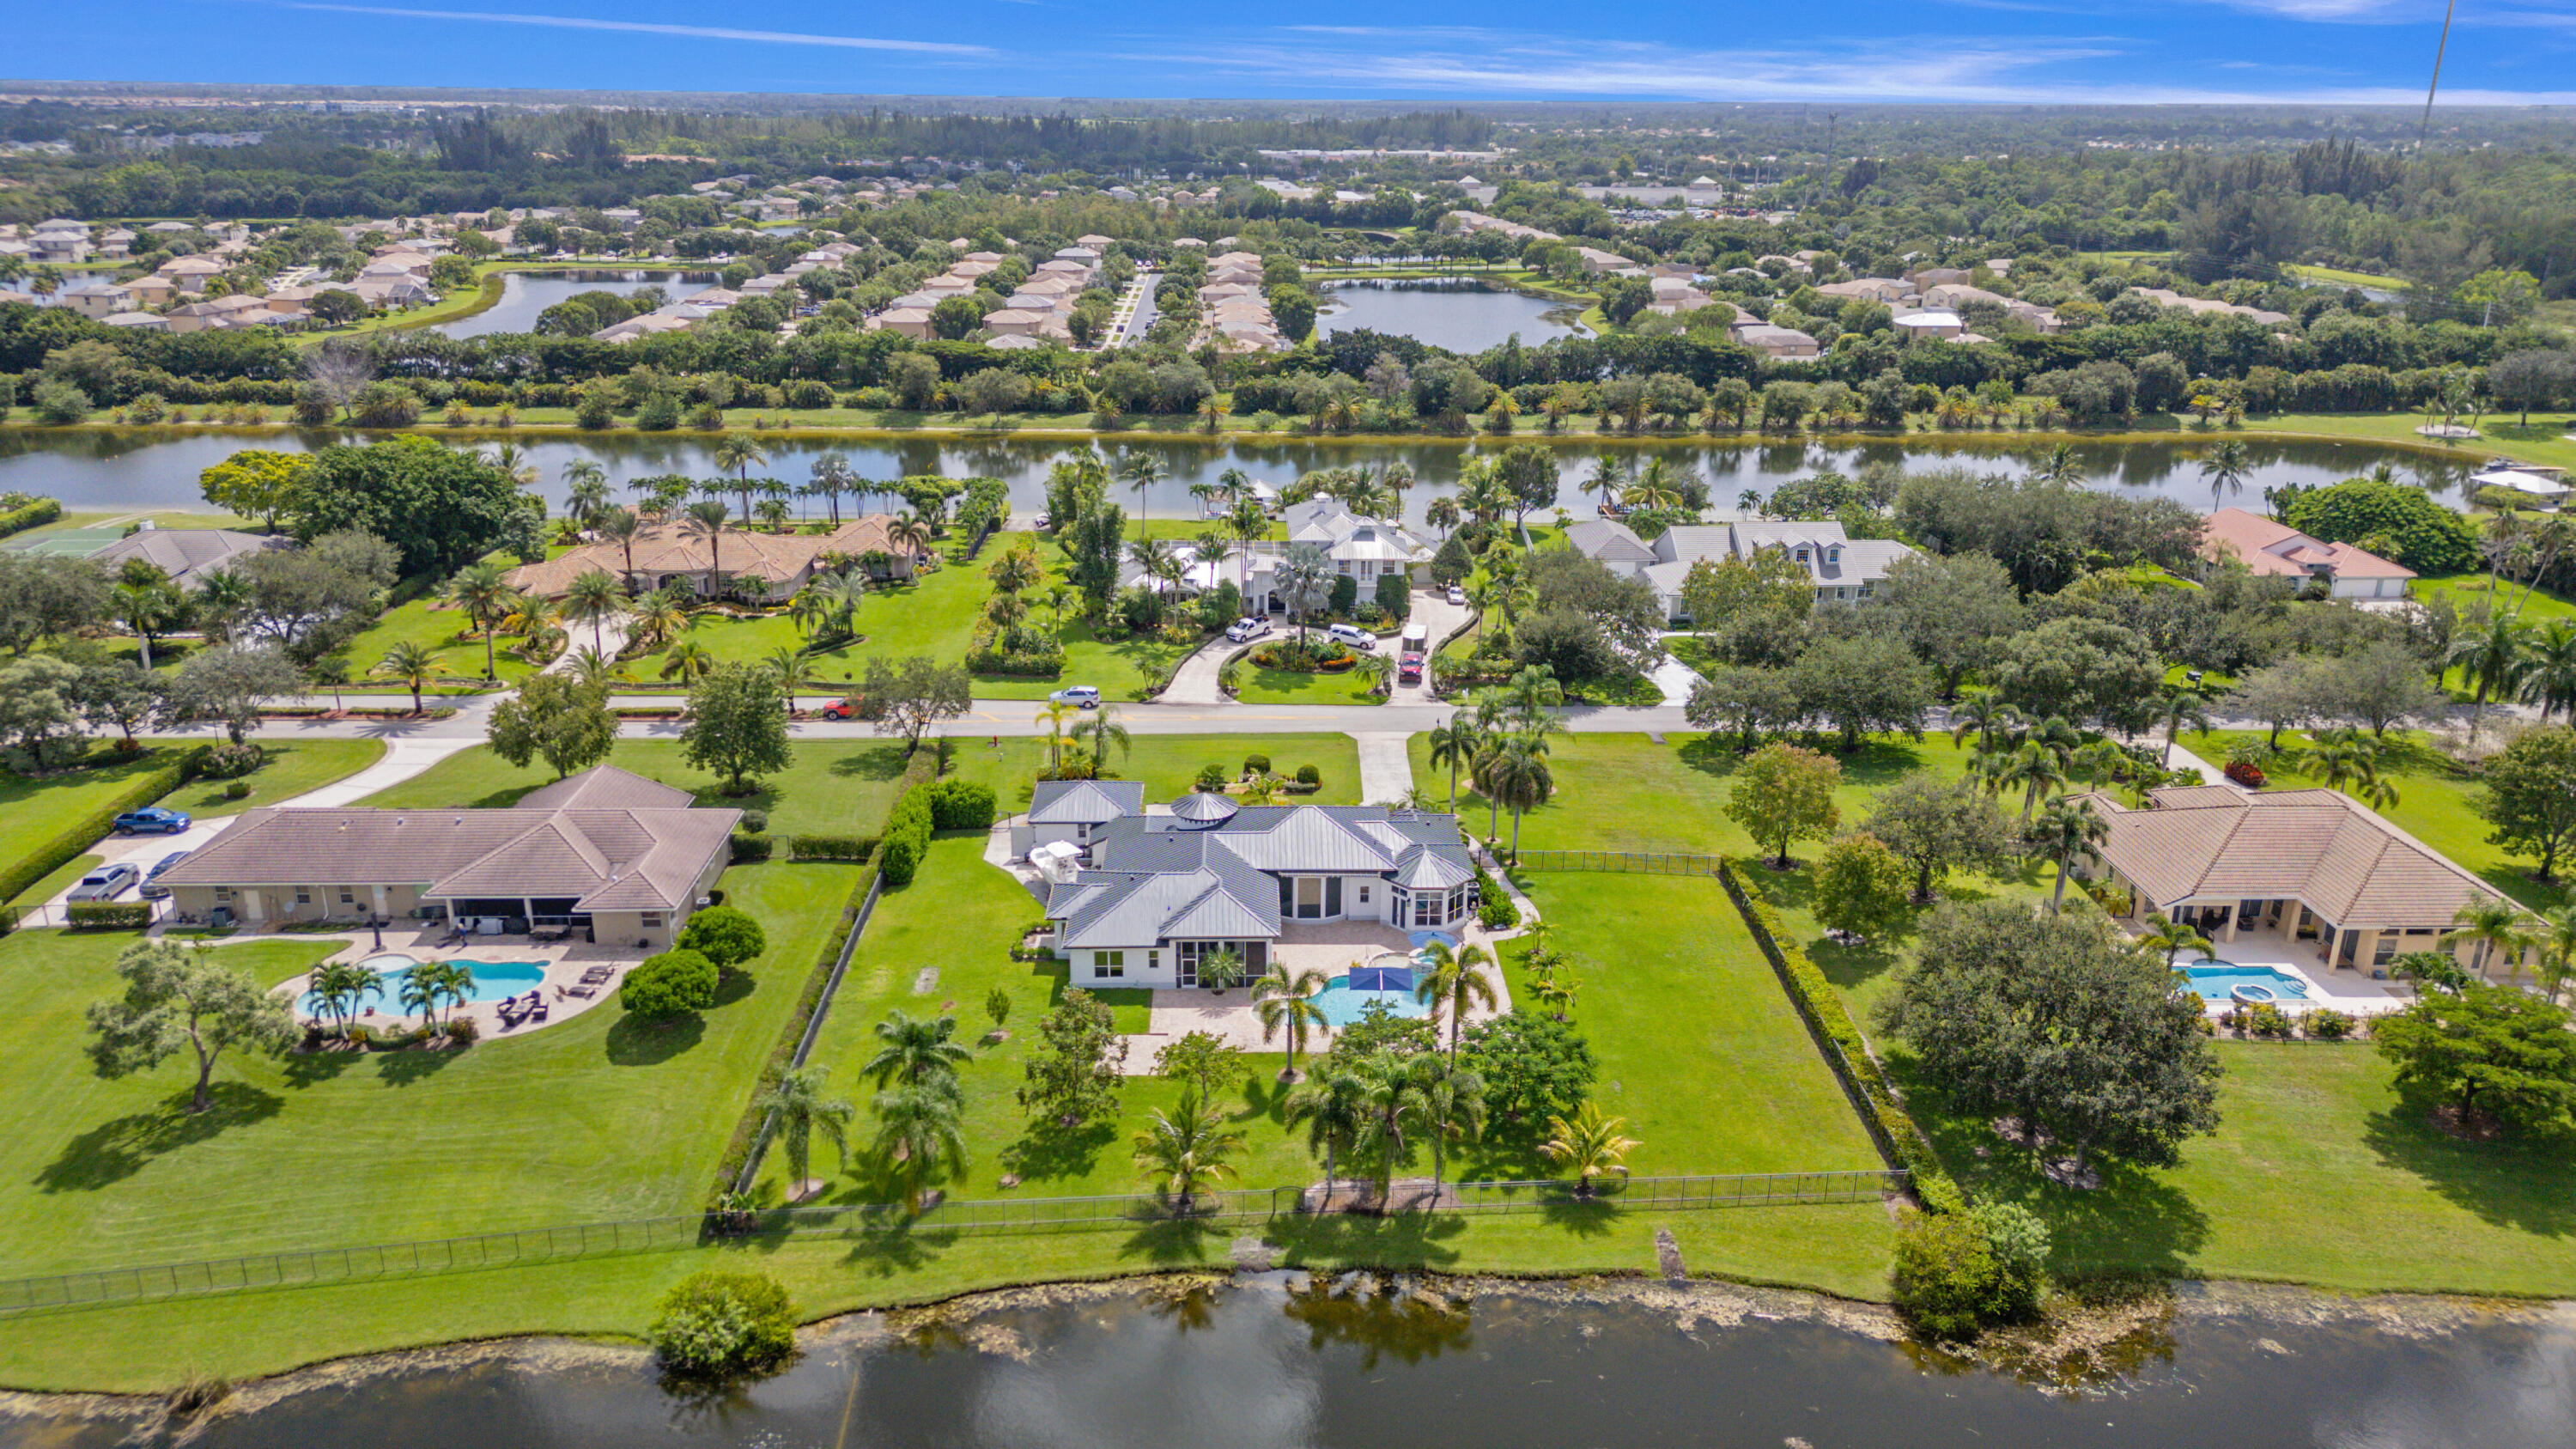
(1353, 635)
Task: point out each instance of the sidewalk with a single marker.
(1386, 767)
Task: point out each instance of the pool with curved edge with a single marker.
(493, 981)
(2216, 982)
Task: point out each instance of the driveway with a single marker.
(1194, 678)
(1432, 610)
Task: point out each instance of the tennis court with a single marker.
(77, 542)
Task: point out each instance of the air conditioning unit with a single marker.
(705, 901)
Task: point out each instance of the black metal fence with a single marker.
(813, 1028)
(1630, 862)
(99, 1286)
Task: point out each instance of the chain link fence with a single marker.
(1629, 862)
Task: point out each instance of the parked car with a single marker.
(1457, 595)
(1080, 696)
(105, 883)
(153, 890)
(1247, 627)
(1410, 668)
(1353, 635)
(841, 708)
(152, 820)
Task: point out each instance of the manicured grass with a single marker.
(2435, 805)
(60, 881)
(294, 767)
(596, 1118)
(1281, 686)
(1168, 764)
(831, 787)
(935, 616)
(2469, 592)
(448, 635)
(1625, 792)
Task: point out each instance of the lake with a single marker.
(526, 294)
(140, 469)
(1279, 1360)
(1461, 315)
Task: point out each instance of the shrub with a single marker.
(831, 847)
(959, 804)
(1395, 595)
(907, 838)
(1256, 764)
(724, 935)
(462, 1030)
(754, 822)
(34, 513)
(1211, 777)
(1309, 775)
(2247, 774)
(749, 849)
(2267, 1020)
(1346, 592)
(716, 1322)
(674, 983)
(1494, 908)
(237, 790)
(2327, 1024)
(227, 761)
(108, 915)
(1958, 1273)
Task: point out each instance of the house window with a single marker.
(348, 897)
(304, 895)
(1364, 895)
(652, 920)
(223, 893)
(1833, 555)
(1802, 554)
(1108, 963)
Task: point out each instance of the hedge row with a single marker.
(749, 848)
(808, 1000)
(34, 515)
(1823, 1008)
(854, 849)
(70, 842)
(907, 832)
(108, 915)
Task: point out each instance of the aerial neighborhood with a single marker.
(665, 723)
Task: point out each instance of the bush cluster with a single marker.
(960, 804)
(30, 515)
(749, 848)
(855, 848)
(674, 983)
(717, 1322)
(108, 915)
(1957, 1274)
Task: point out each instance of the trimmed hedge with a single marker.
(34, 515)
(808, 1001)
(1823, 1008)
(108, 915)
(854, 849)
(748, 848)
(74, 839)
(959, 804)
(907, 832)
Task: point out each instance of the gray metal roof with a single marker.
(1085, 802)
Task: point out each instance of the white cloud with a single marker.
(693, 32)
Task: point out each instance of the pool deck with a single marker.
(1331, 947)
(564, 963)
(2351, 992)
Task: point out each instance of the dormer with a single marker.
(1834, 554)
(1801, 555)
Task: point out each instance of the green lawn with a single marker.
(2434, 805)
(832, 787)
(447, 634)
(2470, 591)
(935, 616)
(589, 1120)
(1168, 764)
(1281, 686)
(294, 767)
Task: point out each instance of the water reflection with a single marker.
(1279, 1360)
(158, 468)
(1464, 316)
(524, 295)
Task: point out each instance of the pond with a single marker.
(524, 295)
(1461, 315)
(1280, 1360)
(137, 469)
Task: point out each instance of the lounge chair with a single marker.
(539, 1014)
(584, 992)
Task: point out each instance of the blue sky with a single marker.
(2097, 51)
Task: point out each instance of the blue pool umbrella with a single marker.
(1421, 939)
(1380, 978)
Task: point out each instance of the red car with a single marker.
(841, 709)
(1409, 669)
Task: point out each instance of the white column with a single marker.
(379, 895)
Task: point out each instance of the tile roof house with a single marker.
(187, 555)
(2278, 550)
(1846, 569)
(668, 555)
(1164, 890)
(2315, 865)
(622, 857)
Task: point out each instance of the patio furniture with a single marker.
(585, 992)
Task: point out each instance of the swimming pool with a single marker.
(493, 981)
(2216, 981)
(1342, 1003)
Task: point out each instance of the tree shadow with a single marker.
(414, 1065)
(735, 986)
(1585, 1217)
(1329, 1240)
(2523, 1181)
(636, 1042)
(2136, 1220)
(116, 1150)
(313, 1068)
(1380, 1318)
(888, 1252)
(1048, 1151)
(1176, 1242)
(878, 762)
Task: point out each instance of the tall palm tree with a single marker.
(803, 1104)
(1153, 559)
(223, 599)
(1453, 1106)
(2059, 466)
(411, 662)
(1305, 577)
(1183, 1152)
(1142, 471)
(1290, 1004)
(421, 989)
(620, 526)
(1442, 513)
(1588, 1145)
(594, 597)
(1515, 776)
(918, 1128)
(585, 491)
(2068, 826)
(1330, 1102)
(911, 532)
(2227, 467)
(1607, 481)
(1054, 715)
(706, 519)
(831, 478)
(1454, 982)
(1105, 727)
(2493, 656)
(1455, 745)
(2495, 925)
(1392, 1098)
(2035, 768)
(482, 589)
(2173, 937)
(2549, 679)
(735, 454)
(660, 617)
(2557, 942)
(687, 661)
(147, 610)
(2184, 707)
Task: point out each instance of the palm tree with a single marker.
(1153, 559)
(1330, 1102)
(421, 989)
(585, 491)
(919, 1128)
(482, 589)
(411, 662)
(620, 526)
(2173, 937)
(1515, 776)
(706, 519)
(912, 533)
(1442, 513)
(2065, 828)
(1104, 728)
(1391, 1096)
(2557, 942)
(1053, 714)
(1305, 577)
(146, 609)
(803, 1105)
(832, 478)
(2497, 927)
(333, 983)
(1455, 745)
(1291, 1004)
(331, 671)
(660, 617)
(2493, 656)
(594, 670)
(2227, 467)
(1985, 717)
(2549, 681)
(594, 598)
(687, 661)
(1142, 471)
(1588, 1145)
(510, 462)
(1183, 1152)
(1455, 982)
(1453, 1105)
(1607, 481)
(223, 598)
(2184, 707)
(2036, 768)
(915, 1048)
(2059, 466)
(735, 454)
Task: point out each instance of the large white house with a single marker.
(1845, 569)
(1165, 889)
(1363, 549)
